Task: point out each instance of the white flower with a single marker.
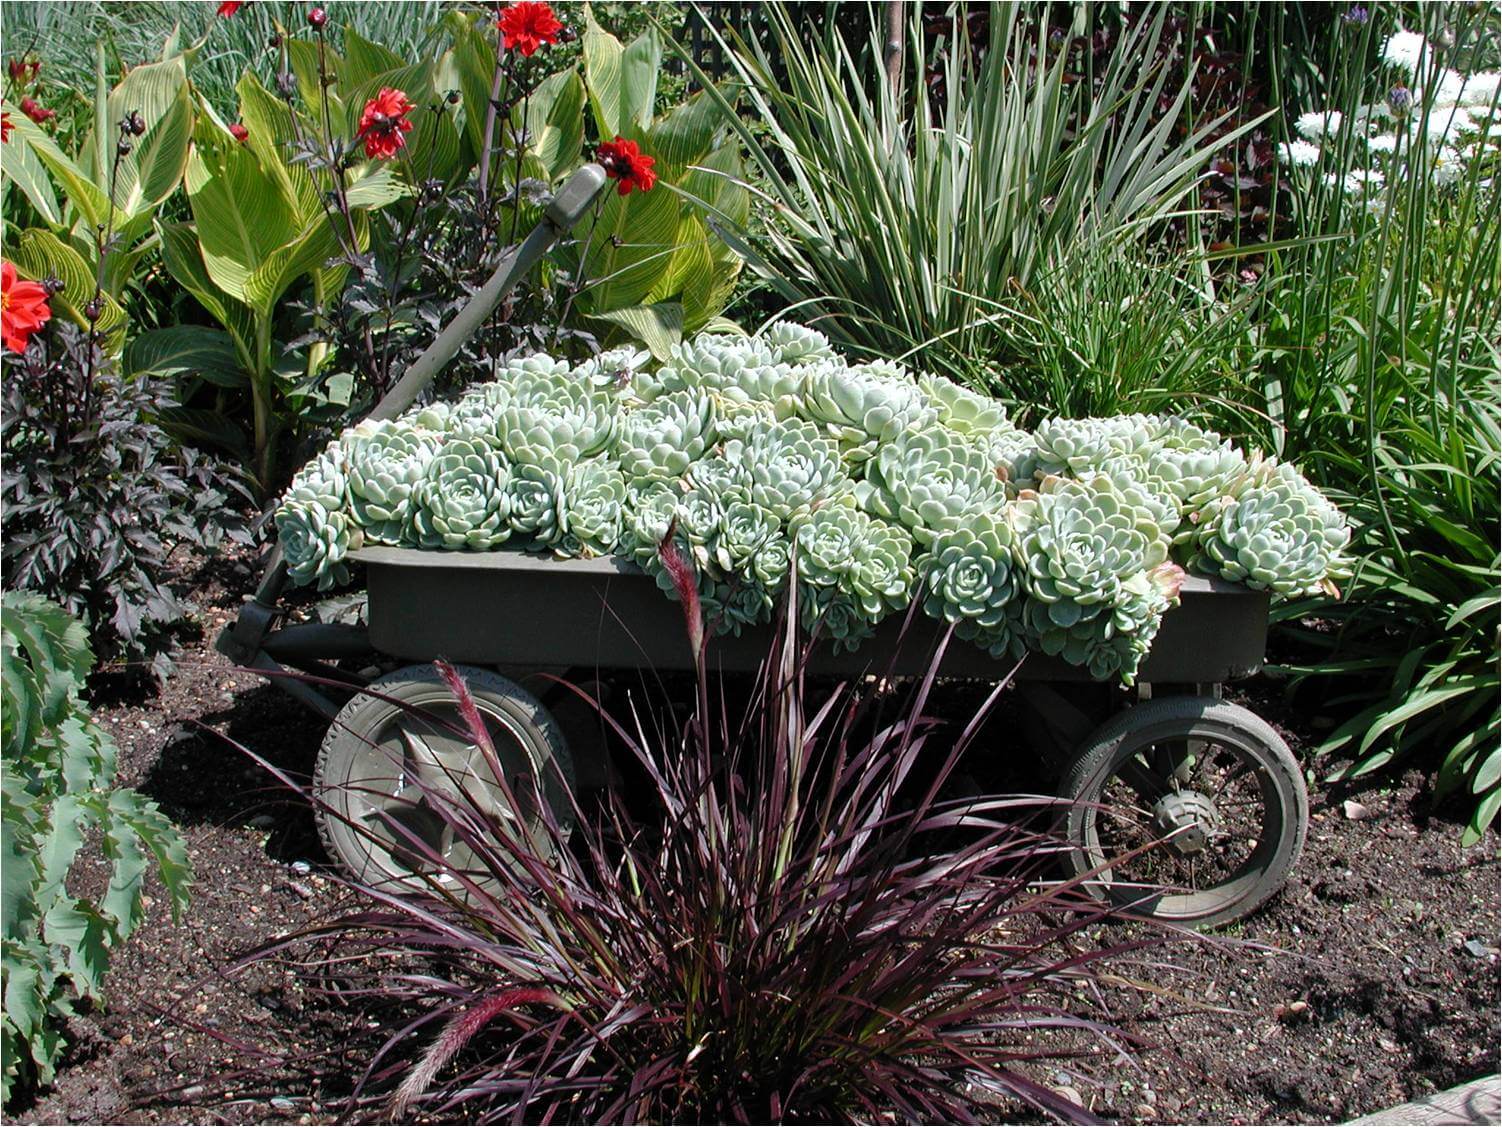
(1299, 153)
(1405, 50)
(1353, 183)
(1448, 167)
(1480, 89)
(1382, 143)
(1315, 124)
(1447, 90)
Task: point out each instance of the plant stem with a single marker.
(502, 67)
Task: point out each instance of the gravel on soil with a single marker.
(1372, 979)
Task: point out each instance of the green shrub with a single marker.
(57, 767)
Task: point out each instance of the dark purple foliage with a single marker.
(802, 928)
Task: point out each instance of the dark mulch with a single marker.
(1372, 979)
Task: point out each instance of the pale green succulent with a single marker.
(824, 541)
(385, 461)
(864, 406)
(1072, 446)
(1276, 533)
(430, 416)
(962, 410)
(725, 480)
(791, 464)
(830, 613)
(771, 563)
(313, 523)
(1107, 640)
(700, 515)
(1078, 540)
(463, 500)
(931, 480)
(792, 343)
(731, 605)
(560, 431)
(1196, 465)
(533, 379)
(745, 529)
(538, 511)
(881, 575)
(734, 369)
(866, 559)
(970, 580)
(594, 495)
(659, 441)
(1134, 478)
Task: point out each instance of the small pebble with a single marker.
(282, 1103)
(301, 868)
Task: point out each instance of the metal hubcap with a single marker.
(1188, 819)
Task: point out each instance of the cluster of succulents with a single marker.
(770, 457)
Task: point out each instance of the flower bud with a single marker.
(123, 148)
(54, 285)
(93, 309)
(317, 17)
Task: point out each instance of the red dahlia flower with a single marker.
(230, 7)
(623, 161)
(4, 126)
(239, 132)
(36, 112)
(23, 308)
(528, 25)
(383, 123)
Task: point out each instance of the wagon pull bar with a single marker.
(242, 640)
(568, 207)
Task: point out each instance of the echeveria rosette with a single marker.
(734, 369)
(1073, 446)
(594, 494)
(745, 529)
(962, 410)
(733, 604)
(1276, 532)
(313, 524)
(723, 479)
(659, 441)
(650, 512)
(931, 480)
(1109, 641)
(864, 406)
(792, 465)
(700, 516)
(463, 500)
(1133, 477)
(865, 559)
(831, 613)
(970, 580)
(1196, 465)
(557, 434)
(385, 461)
(539, 514)
(795, 344)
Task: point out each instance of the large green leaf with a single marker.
(274, 276)
(658, 326)
(272, 133)
(181, 256)
(555, 123)
(40, 254)
(364, 60)
(85, 196)
(154, 167)
(243, 219)
(85, 935)
(161, 837)
(197, 427)
(21, 166)
(630, 250)
(474, 61)
(640, 65)
(685, 134)
(602, 74)
(187, 351)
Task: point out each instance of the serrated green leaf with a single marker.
(84, 935)
(161, 837)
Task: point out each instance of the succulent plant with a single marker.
(931, 480)
(463, 500)
(970, 580)
(962, 410)
(791, 465)
(385, 460)
(1072, 446)
(792, 343)
(864, 406)
(742, 449)
(538, 512)
(659, 441)
(1276, 532)
(594, 495)
(313, 523)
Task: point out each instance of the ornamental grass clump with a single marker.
(753, 453)
(787, 923)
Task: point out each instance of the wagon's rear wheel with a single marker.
(1186, 809)
(390, 761)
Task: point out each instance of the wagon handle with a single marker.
(242, 640)
(568, 207)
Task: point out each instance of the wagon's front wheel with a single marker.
(1185, 809)
(400, 782)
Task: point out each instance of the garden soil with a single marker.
(1372, 979)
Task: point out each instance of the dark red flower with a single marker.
(36, 112)
(23, 71)
(383, 123)
(239, 132)
(528, 25)
(23, 308)
(230, 7)
(4, 126)
(622, 160)
(318, 17)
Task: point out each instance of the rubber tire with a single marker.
(1191, 717)
(365, 716)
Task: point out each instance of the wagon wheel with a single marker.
(1186, 809)
(381, 764)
